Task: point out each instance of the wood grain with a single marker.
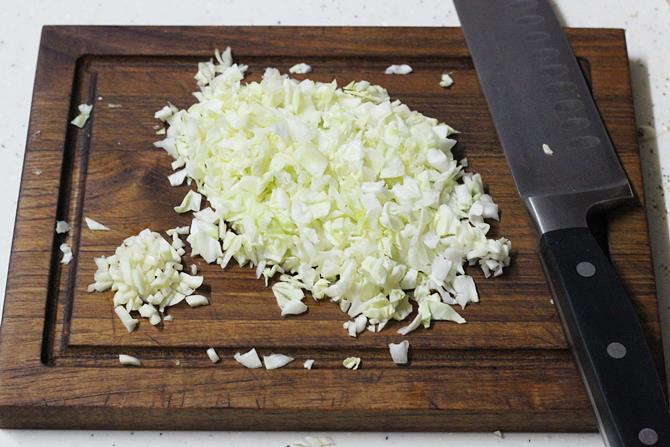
(509, 368)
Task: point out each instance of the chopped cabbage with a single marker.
(197, 300)
(300, 68)
(274, 361)
(62, 227)
(349, 195)
(398, 69)
(249, 359)
(84, 113)
(213, 356)
(129, 322)
(146, 274)
(191, 202)
(129, 360)
(446, 80)
(308, 364)
(351, 362)
(95, 226)
(67, 253)
(398, 352)
(289, 298)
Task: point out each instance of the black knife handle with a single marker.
(603, 329)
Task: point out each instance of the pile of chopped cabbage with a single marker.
(346, 193)
(146, 274)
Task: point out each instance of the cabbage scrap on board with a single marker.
(342, 192)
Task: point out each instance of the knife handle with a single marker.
(607, 340)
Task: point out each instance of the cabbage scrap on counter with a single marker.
(341, 192)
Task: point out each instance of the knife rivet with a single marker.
(616, 350)
(586, 269)
(648, 436)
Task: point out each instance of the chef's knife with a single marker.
(565, 167)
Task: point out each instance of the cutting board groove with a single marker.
(509, 368)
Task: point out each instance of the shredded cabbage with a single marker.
(346, 193)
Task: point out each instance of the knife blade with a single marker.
(565, 168)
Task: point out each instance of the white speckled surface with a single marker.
(648, 33)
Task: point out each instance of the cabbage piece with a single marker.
(95, 226)
(62, 227)
(178, 230)
(166, 112)
(129, 360)
(213, 356)
(357, 326)
(351, 362)
(249, 359)
(446, 81)
(289, 298)
(274, 361)
(177, 178)
(309, 363)
(300, 68)
(84, 113)
(191, 202)
(414, 324)
(67, 253)
(204, 239)
(465, 290)
(129, 322)
(547, 150)
(398, 351)
(402, 69)
(197, 300)
(437, 310)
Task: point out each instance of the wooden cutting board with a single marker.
(509, 368)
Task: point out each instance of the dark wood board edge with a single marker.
(61, 48)
(246, 419)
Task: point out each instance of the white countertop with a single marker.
(648, 33)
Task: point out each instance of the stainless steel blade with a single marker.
(538, 96)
